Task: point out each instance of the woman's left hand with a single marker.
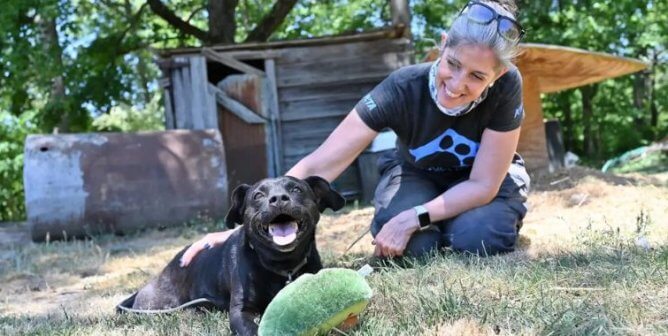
(392, 239)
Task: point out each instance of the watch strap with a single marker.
(423, 215)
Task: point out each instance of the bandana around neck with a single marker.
(456, 111)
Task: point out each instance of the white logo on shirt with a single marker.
(368, 101)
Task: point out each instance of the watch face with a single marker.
(423, 215)
(424, 219)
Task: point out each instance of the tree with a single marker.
(65, 63)
(222, 25)
(616, 115)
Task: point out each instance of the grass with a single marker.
(603, 282)
(584, 268)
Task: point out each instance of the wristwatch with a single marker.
(423, 215)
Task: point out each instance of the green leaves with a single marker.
(13, 131)
(100, 52)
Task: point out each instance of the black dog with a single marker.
(275, 246)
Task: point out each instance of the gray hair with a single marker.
(466, 32)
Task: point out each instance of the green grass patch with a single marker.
(602, 283)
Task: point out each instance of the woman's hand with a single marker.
(209, 241)
(392, 239)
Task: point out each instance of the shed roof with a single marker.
(557, 68)
(381, 33)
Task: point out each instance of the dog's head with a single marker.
(281, 213)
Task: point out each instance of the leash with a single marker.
(355, 242)
(163, 311)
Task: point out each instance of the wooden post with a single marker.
(272, 106)
(532, 146)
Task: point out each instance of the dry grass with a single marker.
(593, 260)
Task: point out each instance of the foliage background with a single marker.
(83, 66)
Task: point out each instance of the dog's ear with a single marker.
(236, 213)
(327, 197)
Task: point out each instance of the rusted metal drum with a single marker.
(83, 184)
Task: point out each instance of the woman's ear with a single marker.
(444, 37)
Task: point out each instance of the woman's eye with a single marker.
(452, 64)
(476, 77)
(296, 190)
(257, 196)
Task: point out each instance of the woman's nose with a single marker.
(455, 84)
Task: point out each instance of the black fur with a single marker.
(232, 275)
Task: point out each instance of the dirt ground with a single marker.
(559, 203)
(89, 277)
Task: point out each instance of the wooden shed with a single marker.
(275, 102)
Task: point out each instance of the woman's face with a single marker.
(464, 73)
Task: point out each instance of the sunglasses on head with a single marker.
(483, 14)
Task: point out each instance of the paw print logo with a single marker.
(451, 142)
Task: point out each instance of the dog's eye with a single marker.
(257, 196)
(296, 190)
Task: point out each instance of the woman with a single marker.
(454, 179)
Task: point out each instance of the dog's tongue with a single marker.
(283, 233)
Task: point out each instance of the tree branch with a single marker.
(271, 21)
(197, 10)
(133, 22)
(162, 11)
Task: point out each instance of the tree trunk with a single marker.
(142, 71)
(51, 46)
(654, 112)
(565, 104)
(401, 15)
(588, 92)
(222, 23)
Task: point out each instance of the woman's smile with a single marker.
(463, 74)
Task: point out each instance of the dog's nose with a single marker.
(279, 199)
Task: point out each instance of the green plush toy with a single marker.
(315, 303)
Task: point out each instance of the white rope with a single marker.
(161, 311)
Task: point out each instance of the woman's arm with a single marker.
(340, 149)
(489, 169)
(342, 146)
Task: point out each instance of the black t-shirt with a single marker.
(428, 138)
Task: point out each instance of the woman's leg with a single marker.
(492, 228)
(401, 188)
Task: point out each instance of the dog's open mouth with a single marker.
(283, 229)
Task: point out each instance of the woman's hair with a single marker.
(463, 32)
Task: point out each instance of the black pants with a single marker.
(486, 230)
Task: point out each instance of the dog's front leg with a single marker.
(242, 319)
(242, 322)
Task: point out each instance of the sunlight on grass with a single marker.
(592, 259)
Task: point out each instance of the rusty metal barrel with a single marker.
(78, 185)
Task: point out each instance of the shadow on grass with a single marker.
(67, 323)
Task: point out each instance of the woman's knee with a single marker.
(487, 230)
(423, 243)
